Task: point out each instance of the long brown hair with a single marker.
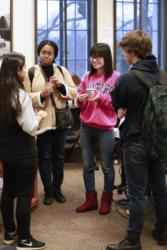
(10, 83)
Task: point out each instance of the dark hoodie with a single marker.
(131, 94)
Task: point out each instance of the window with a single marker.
(136, 14)
(70, 23)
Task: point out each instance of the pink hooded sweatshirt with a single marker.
(100, 113)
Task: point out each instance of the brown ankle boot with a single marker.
(105, 203)
(90, 203)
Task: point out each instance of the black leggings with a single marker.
(18, 182)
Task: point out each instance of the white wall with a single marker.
(23, 26)
(23, 29)
(105, 22)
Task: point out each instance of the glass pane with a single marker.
(81, 44)
(42, 14)
(153, 17)
(71, 14)
(71, 66)
(71, 45)
(81, 67)
(146, 20)
(153, 1)
(119, 16)
(53, 15)
(128, 17)
(154, 37)
(81, 15)
(51, 26)
(54, 35)
(42, 35)
(122, 65)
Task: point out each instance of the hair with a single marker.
(102, 50)
(48, 42)
(137, 42)
(10, 83)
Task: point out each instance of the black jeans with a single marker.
(139, 169)
(18, 178)
(51, 159)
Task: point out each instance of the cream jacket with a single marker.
(38, 84)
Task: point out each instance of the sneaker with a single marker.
(48, 199)
(124, 245)
(30, 244)
(10, 238)
(160, 237)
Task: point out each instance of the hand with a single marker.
(96, 97)
(47, 91)
(55, 81)
(83, 97)
(121, 112)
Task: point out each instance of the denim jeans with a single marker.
(139, 169)
(89, 138)
(51, 159)
(18, 177)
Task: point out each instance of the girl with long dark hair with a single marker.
(98, 119)
(18, 125)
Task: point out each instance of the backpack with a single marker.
(31, 73)
(154, 120)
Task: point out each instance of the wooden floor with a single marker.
(64, 229)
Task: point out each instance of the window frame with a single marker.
(159, 30)
(91, 33)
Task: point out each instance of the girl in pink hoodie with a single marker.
(98, 119)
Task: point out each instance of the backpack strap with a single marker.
(60, 69)
(143, 78)
(31, 72)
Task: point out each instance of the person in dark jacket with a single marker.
(18, 124)
(128, 99)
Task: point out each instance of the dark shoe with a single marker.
(160, 237)
(48, 199)
(10, 238)
(124, 245)
(60, 197)
(30, 244)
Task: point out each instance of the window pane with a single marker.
(81, 45)
(132, 15)
(72, 36)
(53, 15)
(81, 67)
(81, 15)
(71, 45)
(154, 37)
(42, 15)
(153, 17)
(42, 35)
(71, 14)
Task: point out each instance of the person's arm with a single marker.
(27, 120)
(64, 84)
(119, 94)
